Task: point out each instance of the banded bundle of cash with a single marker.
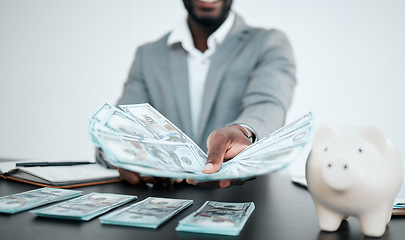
(85, 207)
(149, 213)
(399, 201)
(27, 200)
(139, 138)
(217, 218)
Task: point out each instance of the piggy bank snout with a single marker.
(339, 173)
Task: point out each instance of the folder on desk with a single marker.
(59, 176)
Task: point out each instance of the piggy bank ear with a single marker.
(322, 134)
(374, 136)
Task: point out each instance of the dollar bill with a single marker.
(275, 154)
(299, 131)
(155, 122)
(151, 153)
(27, 200)
(119, 122)
(149, 213)
(109, 120)
(102, 112)
(85, 207)
(159, 125)
(217, 218)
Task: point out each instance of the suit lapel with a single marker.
(179, 77)
(220, 62)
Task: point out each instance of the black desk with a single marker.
(283, 211)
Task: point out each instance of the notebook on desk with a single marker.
(59, 176)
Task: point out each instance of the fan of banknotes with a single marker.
(139, 138)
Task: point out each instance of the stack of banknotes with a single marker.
(85, 207)
(149, 213)
(217, 218)
(139, 138)
(26, 200)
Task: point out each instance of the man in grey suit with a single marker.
(222, 82)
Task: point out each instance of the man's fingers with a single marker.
(149, 179)
(212, 184)
(215, 155)
(225, 183)
(130, 177)
(179, 180)
(214, 161)
(191, 181)
(235, 149)
(135, 179)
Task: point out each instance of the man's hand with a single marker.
(223, 144)
(135, 179)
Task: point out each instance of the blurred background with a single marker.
(61, 60)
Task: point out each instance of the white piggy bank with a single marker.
(353, 173)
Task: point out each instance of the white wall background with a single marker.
(60, 60)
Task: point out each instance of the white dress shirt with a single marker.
(198, 62)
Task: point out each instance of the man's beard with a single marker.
(209, 21)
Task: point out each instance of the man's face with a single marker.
(208, 12)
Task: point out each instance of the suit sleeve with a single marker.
(135, 89)
(271, 85)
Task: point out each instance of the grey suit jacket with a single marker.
(251, 80)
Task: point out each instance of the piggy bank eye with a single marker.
(325, 149)
(360, 150)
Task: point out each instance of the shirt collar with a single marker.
(181, 34)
